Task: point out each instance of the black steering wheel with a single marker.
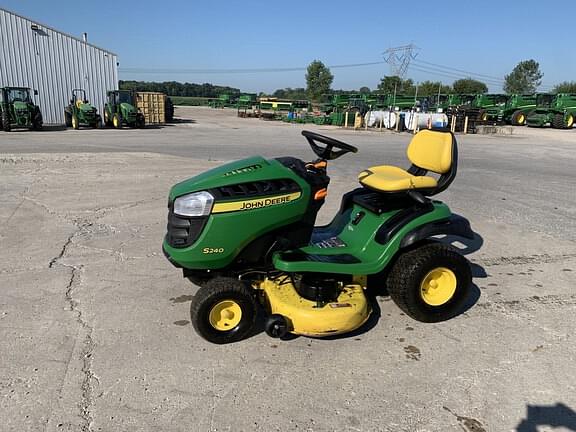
(327, 152)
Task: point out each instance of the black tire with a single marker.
(37, 121)
(276, 326)
(107, 119)
(215, 293)
(411, 270)
(5, 121)
(518, 118)
(558, 121)
(482, 115)
(117, 120)
(67, 119)
(140, 122)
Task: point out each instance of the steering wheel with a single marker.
(327, 152)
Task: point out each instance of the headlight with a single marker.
(194, 204)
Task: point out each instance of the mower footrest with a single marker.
(332, 259)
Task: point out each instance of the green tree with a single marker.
(318, 80)
(364, 90)
(565, 87)
(524, 78)
(392, 83)
(469, 86)
(431, 88)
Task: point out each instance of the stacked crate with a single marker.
(153, 106)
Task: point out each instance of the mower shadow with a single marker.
(559, 415)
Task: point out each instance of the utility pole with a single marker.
(399, 59)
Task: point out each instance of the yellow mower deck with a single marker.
(349, 312)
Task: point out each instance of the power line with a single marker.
(447, 74)
(240, 71)
(460, 70)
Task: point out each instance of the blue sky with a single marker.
(484, 37)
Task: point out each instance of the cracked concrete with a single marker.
(94, 322)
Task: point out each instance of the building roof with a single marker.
(57, 31)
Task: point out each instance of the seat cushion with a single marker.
(386, 178)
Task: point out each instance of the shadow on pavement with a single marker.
(555, 416)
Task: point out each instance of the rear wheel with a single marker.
(37, 121)
(75, 122)
(107, 120)
(67, 119)
(224, 311)
(563, 121)
(117, 120)
(5, 121)
(518, 118)
(430, 283)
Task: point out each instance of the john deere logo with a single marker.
(255, 203)
(243, 170)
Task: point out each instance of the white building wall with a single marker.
(36, 56)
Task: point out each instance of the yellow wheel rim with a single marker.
(115, 121)
(484, 117)
(225, 315)
(74, 122)
(521, 119)
(570, 121)
(438, 286)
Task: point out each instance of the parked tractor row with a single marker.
(119, 110)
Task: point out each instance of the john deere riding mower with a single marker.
(17, 109)
(244, 233)
(120, 110)
(80, 112)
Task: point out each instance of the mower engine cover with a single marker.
(238, 212)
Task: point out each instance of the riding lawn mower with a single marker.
(244, 233)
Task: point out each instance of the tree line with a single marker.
(526, 77)
(173, 88)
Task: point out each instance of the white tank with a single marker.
(424, 120)
(373, 118)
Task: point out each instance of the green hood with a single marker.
(126, 107)
(86, 107)
(20, 106)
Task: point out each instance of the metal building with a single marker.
(52, 62)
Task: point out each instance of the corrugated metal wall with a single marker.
(33, 55)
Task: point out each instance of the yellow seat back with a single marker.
(431, 150)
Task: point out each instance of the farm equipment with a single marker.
(558, 111)
(223, 101)
(311, 280)
(489, 105)
(17, 110)
(80, 112)
(120, 109)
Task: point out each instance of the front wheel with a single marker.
(518, 118)
(430, 283)
(75, 122)
(224, 311)
(5, 121)
(117, 120)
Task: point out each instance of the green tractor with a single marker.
(80, 112)
(120, 109)
(17, 109)
(244, 233)
(558, 111)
